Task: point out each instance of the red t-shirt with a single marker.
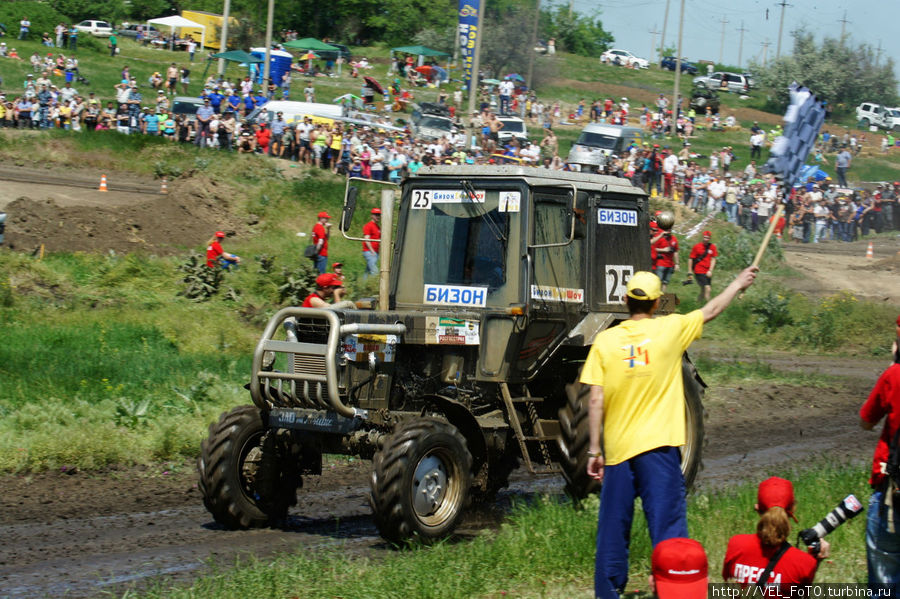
(320, 233)
(702, 267)
(746, 558)
(374, 232)
(666, 259)
(262, 138)
(213, 251)
(884, 400)
(307, 303)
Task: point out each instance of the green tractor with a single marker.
(497, 282)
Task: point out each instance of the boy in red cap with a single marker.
(216, 256)
(680, 570)
(321, 231)
(767, 553)
(883, 520)
(328, 287)
(703, 262)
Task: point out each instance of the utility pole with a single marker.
(224, 47)
(662, 41)
(722, 44)
(878, 54)
(782, 4)
(534, 30)
(843, 22)
(741, 45)
(675, 105)
(269, 17)
(653, 32)
(476, 66)
(765, 50)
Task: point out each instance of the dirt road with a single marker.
(79, 533)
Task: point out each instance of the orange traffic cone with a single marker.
(869, 252)
(103, 183)
(163, 187)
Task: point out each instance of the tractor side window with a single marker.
(557, 270)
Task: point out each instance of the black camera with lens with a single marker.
(847, 509)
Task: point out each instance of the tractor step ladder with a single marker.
(547, 466)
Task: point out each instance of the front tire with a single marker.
(420, 482)
(245, 477)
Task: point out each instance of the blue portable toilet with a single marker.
(279, 64)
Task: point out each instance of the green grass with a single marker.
(543, 549)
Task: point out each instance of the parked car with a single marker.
(597, 142)
(869, 113)
(342, 51)
(668, 62)
(702, 97)
(186, 105)
(131, 30)
(540, 47)
(624, 58)
(431, 121)
(724, 81)
(98, 28)
(513, 126)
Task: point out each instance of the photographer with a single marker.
(750, 557)
(883, 522)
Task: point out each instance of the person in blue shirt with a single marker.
(234, 101)
(151, 122)
(249, 104)
(260, 98)
(215, 99)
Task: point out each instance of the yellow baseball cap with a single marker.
(644, 286)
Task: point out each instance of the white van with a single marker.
(598, 141)
(293, 111)
(513, 126)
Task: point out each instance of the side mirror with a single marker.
(2, 225)
(349, 208)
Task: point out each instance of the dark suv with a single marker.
(702, 97)
(342, 51)
(668, 62)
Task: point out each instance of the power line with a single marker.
(843, 22)
(742, 29)
(653, 32)
(662, 42)
(722, 44)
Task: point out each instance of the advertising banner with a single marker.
(468, 30)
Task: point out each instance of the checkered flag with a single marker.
(803, 119)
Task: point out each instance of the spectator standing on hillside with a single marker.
(73, 38)
(185, 79)
(191, 47)
(58, 30)
(636, 408)
(841, 164)
(703, 263)
(24, 28)
(372, 236)
(667, 257)
(204, 116)
(216, 256)
(113, 41)
(309, 92)
(320, 233)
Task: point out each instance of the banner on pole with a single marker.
(468, 30)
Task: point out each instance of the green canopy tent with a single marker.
(309, 43)
(237, 56)
(421, 52)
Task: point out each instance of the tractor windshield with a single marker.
(460, 251)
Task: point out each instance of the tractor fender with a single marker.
(462, 418)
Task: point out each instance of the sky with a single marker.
(631, 22)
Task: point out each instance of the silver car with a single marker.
(724, 81)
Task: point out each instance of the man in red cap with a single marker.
(680, 570)
(703, 262)
(883, 521)
(766, 557)
(216, 256)
(328, 287)
(372, 235)
(321, 231)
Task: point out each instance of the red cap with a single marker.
(337, 264)
(680, 569)
(376, 210)
(328, 279)
(324, 214)
(653, 224)
(776, 492)
(220, 234)
(707, 234)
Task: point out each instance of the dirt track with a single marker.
(81, 534)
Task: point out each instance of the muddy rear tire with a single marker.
(575, 435)
(420, 482)
(245, 478)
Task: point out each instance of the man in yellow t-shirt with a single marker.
(637, 408)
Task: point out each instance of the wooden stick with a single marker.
(765, 241)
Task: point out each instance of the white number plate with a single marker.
(613, 216)
(617, 276)
(422, 199)
(451, 295)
